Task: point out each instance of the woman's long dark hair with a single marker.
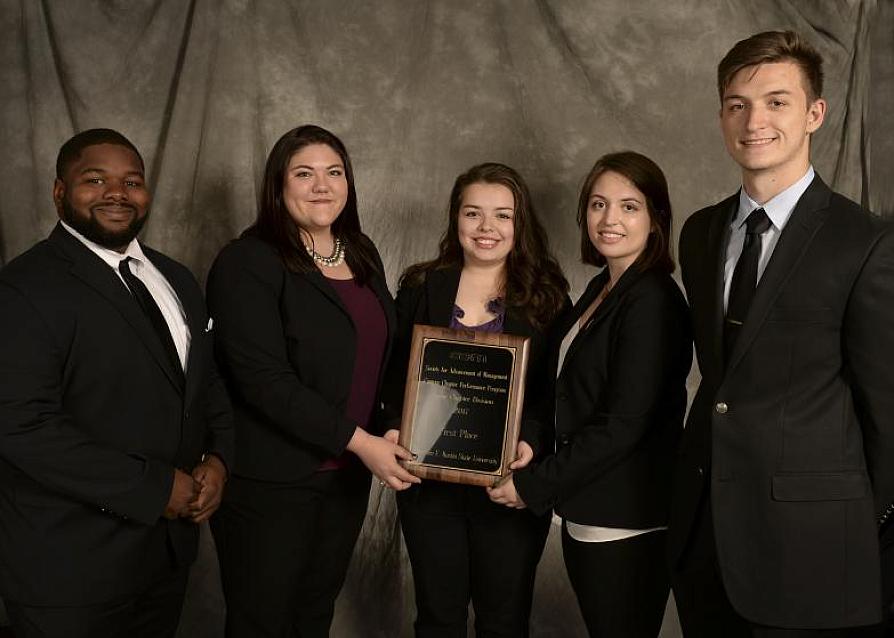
(650, 181)
(276, 226)
(535, 286)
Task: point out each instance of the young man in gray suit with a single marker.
(787, 463)
(115, 430)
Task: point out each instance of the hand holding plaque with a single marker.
(463, 404)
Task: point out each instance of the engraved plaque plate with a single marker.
(463, 404)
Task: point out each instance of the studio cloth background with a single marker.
(419, 91)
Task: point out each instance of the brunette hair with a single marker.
(71, 151)
(650, 181)
(275, 225)
(774, 46)
(534, 283)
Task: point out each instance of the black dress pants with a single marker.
(284, 550)
(463, 547)
(705, 610)
(621, 586)
(154, 613)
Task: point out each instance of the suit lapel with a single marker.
(193, 308)
(441, 287)
(593, 288)
(809, 214)
(627, 280)
(378, 285)
(95, 273)
(318, 280)
(516, 324)
(718, 238)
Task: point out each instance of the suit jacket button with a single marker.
(721, 408)
(700, 470)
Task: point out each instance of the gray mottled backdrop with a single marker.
(419, 90)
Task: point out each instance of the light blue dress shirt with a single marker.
(778, 209)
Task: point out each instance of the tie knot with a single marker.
(124, 265)
(757, 222)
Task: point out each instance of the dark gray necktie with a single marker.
(153, 313)
(744, 282)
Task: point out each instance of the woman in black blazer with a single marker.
(618, 404)
(303, 324)
(493, 273)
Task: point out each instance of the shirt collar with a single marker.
(112, 257)
(778, 209)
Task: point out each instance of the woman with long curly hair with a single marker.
(493, 273)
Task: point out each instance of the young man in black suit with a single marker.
(114, 428)
(787, 462)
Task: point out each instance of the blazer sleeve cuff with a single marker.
(531, 433)
(220, 457)
(342, 436)
(532, 491)
(147, 501)
(221, 444)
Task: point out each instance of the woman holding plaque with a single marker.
(493, 273)
(620, 396)
(303, 323)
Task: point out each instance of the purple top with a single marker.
(494, 325)
(372, 334)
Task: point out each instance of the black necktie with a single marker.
(152, 311)
(744, 282)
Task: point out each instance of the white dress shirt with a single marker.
(778, 209)
(155, 282)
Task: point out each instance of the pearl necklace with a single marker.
(335, 259)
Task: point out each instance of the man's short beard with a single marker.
(92, 230)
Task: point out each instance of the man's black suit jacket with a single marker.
(619, 406)
(286, 346)
(93, 421)
(793, 437)
(431, 303)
